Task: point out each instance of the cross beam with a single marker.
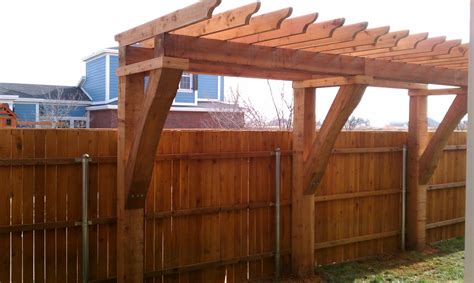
(242, 56)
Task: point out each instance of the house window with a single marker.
(186, 82)
(9, 122)
(79, 124)
(64, 124)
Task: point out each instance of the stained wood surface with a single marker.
(357, 206)
(416, 197)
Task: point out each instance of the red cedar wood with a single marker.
(244, 56)
(417, 141)
(434, 150)
(303, 206)
(289, 27)
(344, 104)
(173, 21)
(227, 20)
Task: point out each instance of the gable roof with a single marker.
(5, 110)
(44, 91)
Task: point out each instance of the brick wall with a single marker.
(103, 119)
(176, 119)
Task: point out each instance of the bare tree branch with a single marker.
(356, 122)
(58, 107)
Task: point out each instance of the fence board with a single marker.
(5, 193)
(208, 172)
(39, 207)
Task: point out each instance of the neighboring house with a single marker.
(95, 97)
(32, 102)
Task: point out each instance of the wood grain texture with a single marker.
(344, 104)
(179, 19)
(356, 208)
(302, 210)
(417, 142)
(435, 148)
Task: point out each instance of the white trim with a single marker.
(88, 122)
(9, 97)
(37, 112)
(52, 101)
(469, 225)
(219, 88)
(208, 99)
(81, 86)
(187, 90)
(107, 77)
(200, 109)
(37, 115)
(99, 54)
(102, 107)
(184, 103)
(104, 102)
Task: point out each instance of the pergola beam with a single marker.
(179, 19)
(370, 81)
(388, 40)
(405, 43)
(228, 20)
(279, 59)
(434, 150)
(263, 23)
(444, 91)
(342, 34)
(289, 27)
(314, 32)
(367, 37)
(344, 104)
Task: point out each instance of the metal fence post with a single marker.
(85, 223)
(277, 212)
(404, 195)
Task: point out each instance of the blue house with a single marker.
(93, 102)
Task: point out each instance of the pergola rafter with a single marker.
(273, 46)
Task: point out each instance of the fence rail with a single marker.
(211, 203)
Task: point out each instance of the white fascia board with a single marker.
(107, 77)
(100, 53)
(102, 107)
(52, 101)
(200, 109)
(85, 92)
(104, 102)
(9, 97)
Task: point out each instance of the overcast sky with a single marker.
(43, 42)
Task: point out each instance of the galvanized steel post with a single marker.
(277, 212)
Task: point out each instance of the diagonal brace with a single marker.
(344, 104)
(160, 93)
(434, 150)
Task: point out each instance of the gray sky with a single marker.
(44, 41)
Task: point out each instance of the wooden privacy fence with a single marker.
(210, 207)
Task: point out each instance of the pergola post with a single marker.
(469, 228)
(142, 114)
(130, 222)
(302, 209)
(417, 142)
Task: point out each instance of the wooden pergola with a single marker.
(312, 54)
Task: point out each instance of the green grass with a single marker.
(441, 262)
